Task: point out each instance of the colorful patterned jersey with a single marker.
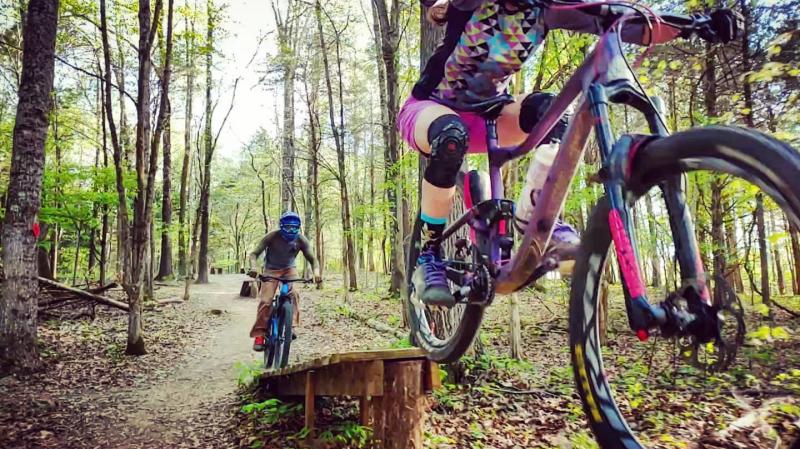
(487, 41)
(493, 46)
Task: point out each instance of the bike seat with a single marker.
(488, 109)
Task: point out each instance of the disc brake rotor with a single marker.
(720, 353)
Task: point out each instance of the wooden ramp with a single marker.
(391, 386)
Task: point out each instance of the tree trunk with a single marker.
(134, 280)
(389, 32)
(287, 39)
(371, 225)
(187, 153)
(18, 306)
(734, 264)
(515, 335)
(763, 252)
(77, 258)
(45, 270)
(205, 188)
(123, 238)
(165, 265)
(312, 103)
(349, 250)
(717, 236)
(776, 256)
(655, 262)
(795, 257)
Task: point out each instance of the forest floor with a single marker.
(183, 393)
(186, 391)
(490, 401)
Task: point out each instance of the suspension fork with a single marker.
(641, 314)
(687, 251)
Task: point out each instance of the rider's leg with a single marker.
(265, 295)
(517, 120)
(441, 136)
(291, 273)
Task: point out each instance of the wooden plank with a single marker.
(431, 378)
(359, 356)
(342, 379)
(309, 401)
(383, 354)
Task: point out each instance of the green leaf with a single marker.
(780, 333)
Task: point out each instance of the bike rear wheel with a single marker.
(771, 165)
(444, 333)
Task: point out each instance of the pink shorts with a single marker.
(407, 119)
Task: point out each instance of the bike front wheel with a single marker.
(284, 340)
(618, 377)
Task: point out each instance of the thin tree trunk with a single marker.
(165, 265)
(287, 38)
(795, 257)
(717, 235)
(187, 153)
(123, 238)
(348, 250)
(389, 32)
(313, 149)
(205, 189)
(763, 252)
(76, 259)
(655, 263)
(515, 335)
(776, 256)
(20, 291)
(104, 243)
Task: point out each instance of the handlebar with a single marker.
(263, 277)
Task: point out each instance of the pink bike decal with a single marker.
(625, 255)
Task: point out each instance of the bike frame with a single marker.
(602, 79)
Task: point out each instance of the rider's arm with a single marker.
(305, 247)
(260, 248)
(720, 25)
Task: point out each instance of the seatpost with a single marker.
(494, 168)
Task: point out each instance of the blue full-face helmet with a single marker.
(290, 226)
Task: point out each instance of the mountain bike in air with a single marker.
(483, 260)
(279, 330)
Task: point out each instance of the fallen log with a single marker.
(102, 288)
(786, 309)
(84, 294)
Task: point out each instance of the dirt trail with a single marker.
(186, 409)
(192, 406)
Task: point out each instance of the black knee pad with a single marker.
(533, 109)
(448, 136)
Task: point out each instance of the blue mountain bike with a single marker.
(279, 336)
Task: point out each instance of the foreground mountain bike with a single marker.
(279, 338)
(482, 259)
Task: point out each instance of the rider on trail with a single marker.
(486, 42)
(281, 248)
